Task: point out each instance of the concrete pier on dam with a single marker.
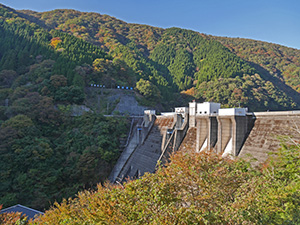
(232, 132)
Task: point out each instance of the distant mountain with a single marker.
(263, 76)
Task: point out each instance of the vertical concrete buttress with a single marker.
(207, 132)
(232, 132)
(202, 133)
(225, 133)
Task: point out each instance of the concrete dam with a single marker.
(232, 132)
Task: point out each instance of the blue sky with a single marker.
(276, 21)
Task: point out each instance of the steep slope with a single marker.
(145, 157)
(101, 29)
(45, 153)
(190, 57)
(280, 61)
(130, 43)
(179, 60)
(278, 64)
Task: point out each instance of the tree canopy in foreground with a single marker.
(194, 189)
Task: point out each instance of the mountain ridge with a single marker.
(132, 40)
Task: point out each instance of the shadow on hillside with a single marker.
(278, 83)
(33, 19)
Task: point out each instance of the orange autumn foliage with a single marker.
(55, 41)
(12, 218)
(190, 190)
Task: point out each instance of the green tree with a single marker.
(7, 78)
(149, 90)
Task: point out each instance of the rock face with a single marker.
(113, 101)
(128, 105)
(78, 110)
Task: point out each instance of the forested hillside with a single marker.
(278, 64)
(190, 62)
(45, 154)
(48, 60)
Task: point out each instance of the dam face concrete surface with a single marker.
(146, 154)
(205, 126)
(268, 131)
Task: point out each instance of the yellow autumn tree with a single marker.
(55, 41)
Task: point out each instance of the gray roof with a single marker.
(30, 213)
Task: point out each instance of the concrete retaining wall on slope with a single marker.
(133, 141)
(145, 156)
(268, 128)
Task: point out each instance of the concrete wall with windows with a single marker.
(208, 108)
